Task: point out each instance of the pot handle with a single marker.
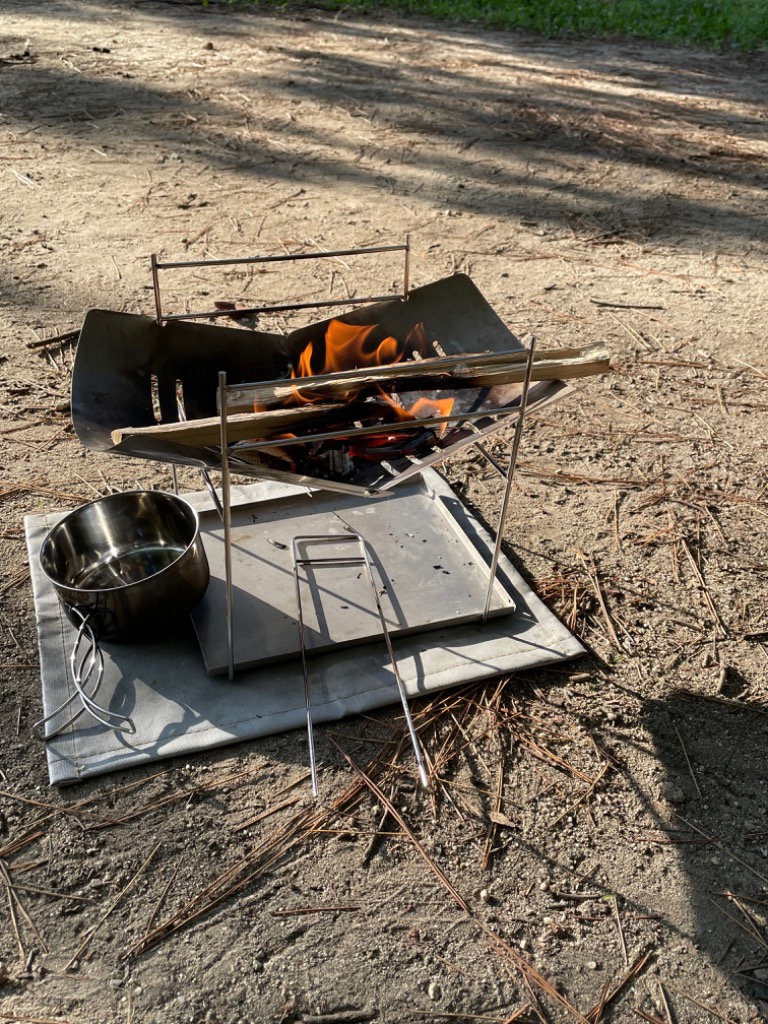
(85, 661)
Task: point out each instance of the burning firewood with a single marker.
(446, 373)
(339, 401)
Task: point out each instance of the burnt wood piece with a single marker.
(446, 373)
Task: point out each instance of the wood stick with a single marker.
(57, 339)
(687, 759)
(18, 1018)
(617, 917)
(485, 370)
(248, 426)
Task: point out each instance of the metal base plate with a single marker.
(431, 575)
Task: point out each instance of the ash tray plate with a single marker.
(430, 572)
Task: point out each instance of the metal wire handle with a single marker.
(362, 559)
(85, 661)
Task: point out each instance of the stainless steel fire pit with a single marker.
(138, 372)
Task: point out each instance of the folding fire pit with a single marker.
(422, 384)
(341, 420)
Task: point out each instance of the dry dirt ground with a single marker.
(595, 844)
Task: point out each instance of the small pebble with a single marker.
(433, 991)
(673, 794)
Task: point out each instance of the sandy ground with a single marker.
(595, 844)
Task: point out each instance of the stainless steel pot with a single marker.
(131, 562)
(123, 566)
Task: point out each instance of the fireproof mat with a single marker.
(178, 709)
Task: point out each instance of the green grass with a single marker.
(714, 24)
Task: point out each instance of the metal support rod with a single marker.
(282, 307)
(283, 258)
(227, 517)
(423, 777)
(305, 671)
(407, 268)
(212, 492)
(510, 475)
(156, 287)
(286, 258)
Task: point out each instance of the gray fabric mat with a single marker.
(178, 709)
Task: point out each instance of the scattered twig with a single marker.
(584, 796)
(721, 846)
(286, 838)
(687, 759)
(751, 928)
(300, 911)
(267, 812)
(665, 1002)
(529, 972)
(622, 305)
(647, 1016)
(471, 1016)
(595, 581)
(599, 1009)
(701, 1006)
(718, 621)
(126, 889)
(162, 898)
(617, 918)
(634, 971)
(19, 1018)
(15, 904)
(53, 893)
(729, 702)
(497, 802)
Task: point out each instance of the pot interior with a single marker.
(118, 540)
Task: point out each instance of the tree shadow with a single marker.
(525, 130)
(713, 816)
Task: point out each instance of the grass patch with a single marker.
(714, 24)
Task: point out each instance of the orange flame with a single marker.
(422, 408)
(351, 347)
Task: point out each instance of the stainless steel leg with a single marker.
(227, 516)
(510, 475)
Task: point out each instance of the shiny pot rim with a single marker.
(67, 585)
